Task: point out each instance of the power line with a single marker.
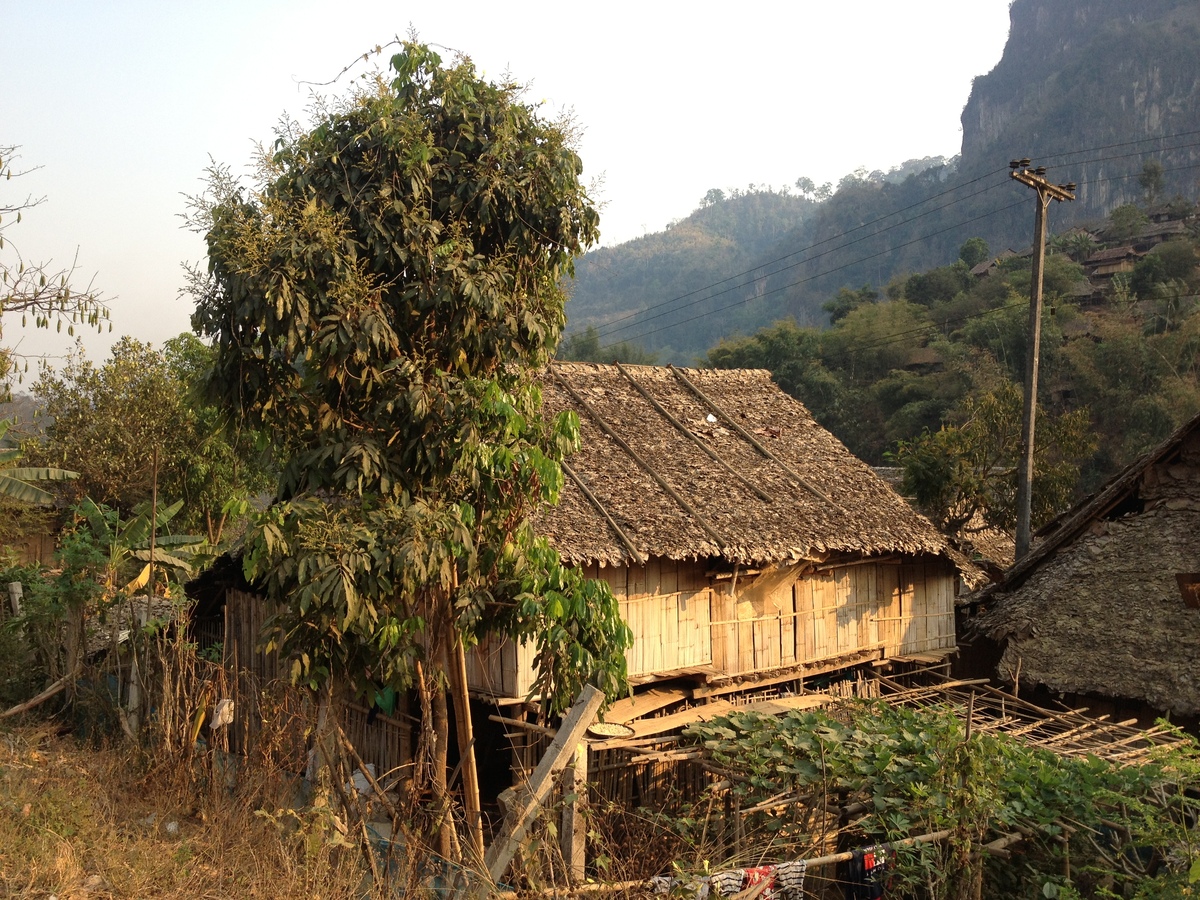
(608, 331)
(818, 274)
(751, 272)
(1164, 137)
(853, 262)
(798, 263)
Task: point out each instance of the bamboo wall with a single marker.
(667, 605)
(683, 620)
(501, 667)
(266, 718)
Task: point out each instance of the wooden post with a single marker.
(573, 833)
(527, 803)
(466, 750)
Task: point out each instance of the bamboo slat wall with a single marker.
(667, 605)
(501, 667)
(384, 741)
(682, 620)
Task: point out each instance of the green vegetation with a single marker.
(929, 376)
(1113, 112)
(727, 234)
(136, 418)
(1088, 827)
(15, 481)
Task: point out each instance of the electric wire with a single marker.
(607, 330)
(843, 246)
(857, 261)
(787, 256)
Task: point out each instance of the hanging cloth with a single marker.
(866, 873)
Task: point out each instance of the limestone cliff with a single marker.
(1079, 76)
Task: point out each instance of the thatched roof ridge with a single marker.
(1075, 520)
(768, 485)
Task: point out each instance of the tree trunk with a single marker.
(441, 746)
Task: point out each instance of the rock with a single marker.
(172, 828)
(96, 883)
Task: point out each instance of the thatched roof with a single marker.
(669, 467)
(1095, 606)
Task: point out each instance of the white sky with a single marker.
(121, 104)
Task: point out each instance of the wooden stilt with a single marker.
(573, 833)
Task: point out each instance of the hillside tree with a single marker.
(137, 416)
(378, 304)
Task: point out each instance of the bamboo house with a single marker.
(742, 540)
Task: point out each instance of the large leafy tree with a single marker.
(970, 467)
(378, 304)
(138, 416)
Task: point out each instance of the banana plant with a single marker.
(128, 542)
(15, 480)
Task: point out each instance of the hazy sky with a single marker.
(121, 105)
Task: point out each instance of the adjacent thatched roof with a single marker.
(1095, 607)
(1113, 254)
(643, 485)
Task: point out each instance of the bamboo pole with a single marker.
(466, 750)
(45, 695)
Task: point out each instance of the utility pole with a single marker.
(1036, 179)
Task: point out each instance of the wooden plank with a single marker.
(522, 813)
(921, 607)
(847, 637)
(629, 708)
(829, 604)
(524, 653)
(633, 618)
(709, 711)
(909, 636)
(786, 601)
(802, 625)
(573, 839)
(724, 634)
(889, 609)
(669, 613)
(868, 582)
(664, 724)
(689, 653)
(701, 606)
(637, 581)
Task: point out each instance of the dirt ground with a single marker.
(81, 821)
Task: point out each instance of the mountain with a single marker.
(624, 285)
(1092, 89)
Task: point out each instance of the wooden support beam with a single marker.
(691, 435)
(40, 698)
(527, 803)
(603, 510)
(573, 831)
(466, 750)
(683, 504)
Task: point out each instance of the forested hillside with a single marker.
(618, 289)
(928, 374)
(1096, 90)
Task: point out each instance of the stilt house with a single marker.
(1108, 603)
(742, 540)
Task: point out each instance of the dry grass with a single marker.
(78, 822)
